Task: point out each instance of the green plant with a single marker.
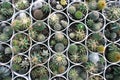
(92, 5)
(6, 10)
(73, 49)
(59, 59)
(4, 37)
(83, 8)
(73, 74)
(78, 14)
(72, 35)
(41, 37)
(5, 73)
(82, 49)
(80, 34)
(46, 8)
(71, 9)
(21, 40)
(40, 73)
(94, 15)
(22, 4)
(59, 47)
(75, 57)
(8, 50)
(8, 30)
(92, 44)
(80, 26)
(17, 26)
(90, 23)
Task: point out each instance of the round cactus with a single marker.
(101, 4)
(41, 37)
(73, 48)
(72, 35)
(59, 36)
(71, 9)
(4, 37)
(57, 26)
(113, 56)
(59, 47)
(38, 14)
(78, 14)
(94, 15)
(8, 50)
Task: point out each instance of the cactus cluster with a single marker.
(77, 53)
(77, 10)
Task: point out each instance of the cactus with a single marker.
(72, 35)
(61, 69)
(16, 49)
(46, 8)
(73, 74)
(38, 14)
(5, 73)
(97, 26)
(80, 35)
(83, 8)
(75, 57)
(64, 23)
(41, 37)
(4, 37)
(8, 30)
(92, 44)
(59, 7)
(73, 49)
(90, 23)
(82, 49)
(22, 4)
(71, 9)
(100, 49)
(39, 73)
(78, 14)
(63, 2)
(53, 19)
(113, 56)
(59, 36)
(8, 50)
(101, 4)
(92, 5)
(57, 27)
(94, 15)
(80, 26)
(59, 47)
(59, 59)
(83, 58)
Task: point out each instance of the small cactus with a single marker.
(59, 7)
(57, 27)
(8, 50)
(94, 15)
(4, 37)
(71, 9)
(53, 19)
(73, 74)
(59, 36)
(100, 49)
(72, 35)
(64, 23)
(41, 37)
(78, 14)
(113, 56)
(92, 5)
(80, 35)
(101, 4)
(59, 47)
(59, 59)
(73, 49)
(38, 14)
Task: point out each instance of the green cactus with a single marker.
(40, 37)
(8, 50)
(53, 19)
(73, 49)
(59, 47)
(92, 44)
(113, 56)
(71, 9)
(78, 14)
(46, 8)
(90, 23)
(80, 26)
(73, 74)
(94, 15)
(75, 57)
(82, 49)
(5, 73)
(72, 35)
(4, 37)
(8, 30)
(83, 8)
(22, 4)
(92, 5)
(59, 59)
(97, 26)
(40, 73)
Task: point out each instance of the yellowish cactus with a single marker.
(63, 2)
(101, 4)
(101, 49)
